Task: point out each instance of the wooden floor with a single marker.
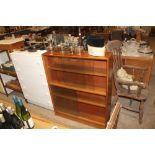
(40, 122)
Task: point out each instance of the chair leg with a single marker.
(141, 111)
(130, 102)
(115, 100)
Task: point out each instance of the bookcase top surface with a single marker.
(83, 55)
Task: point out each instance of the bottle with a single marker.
(1, 124)
(4, 124)
(80, 37)
(44, 45)
(17, 106)
(6, 115)
(138, 36)
(69, 39)
(85, 43)
(0, 111)
(26, 117)
(54, 38)
(2, 120)
(16, 122)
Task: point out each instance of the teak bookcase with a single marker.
(80, 86)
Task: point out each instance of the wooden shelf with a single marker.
(82, 119)
(77, 71)
(14, 85)
(79, 100)
(87, 89)
(8, 48)
(10, 73)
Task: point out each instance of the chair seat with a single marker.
(133, 94)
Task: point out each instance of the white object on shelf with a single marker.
(96, 51)
(30, 71)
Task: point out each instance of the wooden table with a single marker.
(39, 29)
(11, 44)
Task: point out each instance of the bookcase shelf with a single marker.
(89, 89)
(80, 100)
(78, 71)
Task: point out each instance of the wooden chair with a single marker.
(117, 35)
(139, 94)
(112, 123)
(113, 44)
